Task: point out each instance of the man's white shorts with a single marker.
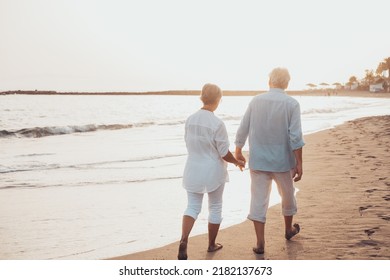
(261, 189)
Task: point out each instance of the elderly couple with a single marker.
(273, 125)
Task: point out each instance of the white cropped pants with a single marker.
(195, 200)
(261, 190)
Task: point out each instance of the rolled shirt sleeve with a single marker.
(222, 140)
(295, 129)
(243, 129)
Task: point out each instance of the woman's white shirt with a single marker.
(207, 142)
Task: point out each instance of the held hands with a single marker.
(240, 164)
(240, 159)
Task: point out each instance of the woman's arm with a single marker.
(230, 158)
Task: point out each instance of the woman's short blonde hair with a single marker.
(210, 94)
(279, 78)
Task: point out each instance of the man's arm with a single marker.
(238, 154)
(243, 129)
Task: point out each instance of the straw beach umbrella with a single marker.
(337, 85)
(311, 85)
(324, 85)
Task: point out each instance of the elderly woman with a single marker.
(206, 167)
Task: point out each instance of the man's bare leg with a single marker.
(291, 230)
(259, 229)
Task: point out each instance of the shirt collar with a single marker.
(276, 90)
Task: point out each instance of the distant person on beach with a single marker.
(206, 167)
(273, 124)
(385, 86)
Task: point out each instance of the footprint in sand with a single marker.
(371, 190)
(386, 197)
(370, 231)
(384, 217)
(367, 242)
(362, 208)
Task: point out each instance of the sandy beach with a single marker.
(343, 204)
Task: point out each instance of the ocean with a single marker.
(93, 177)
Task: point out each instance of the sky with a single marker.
(152, 45)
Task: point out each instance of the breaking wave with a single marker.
(37, 132)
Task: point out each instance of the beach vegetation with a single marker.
(368, 79)
(372, 78)
(352, 79)
(378, 79)
(352, 83)
(383, 67)
(387, 66)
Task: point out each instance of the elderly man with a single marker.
(273, 125)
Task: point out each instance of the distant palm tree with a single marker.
(381, 68)
(353, 79)
(369, 78)
(387, 63)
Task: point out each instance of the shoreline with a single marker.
(343, 204)
(330, 92)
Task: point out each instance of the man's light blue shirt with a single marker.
(272, 124)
